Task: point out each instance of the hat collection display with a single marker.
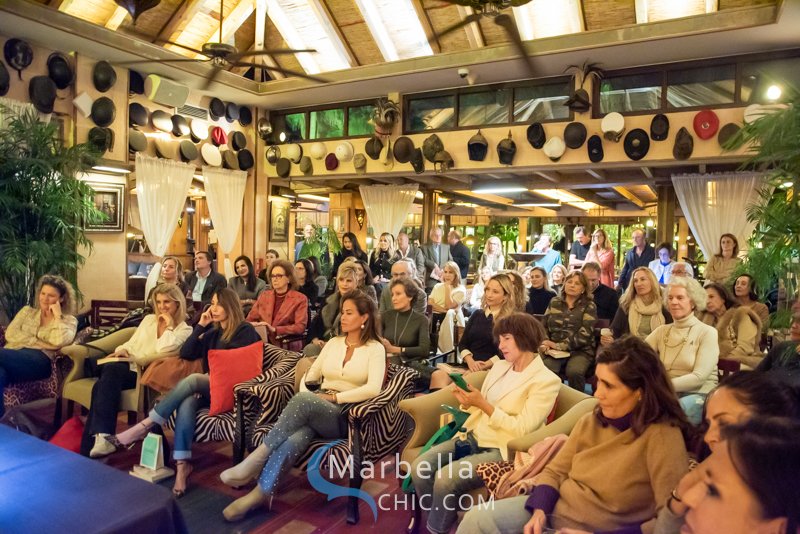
(161, 121)
(477, 147)
(198, 129)
(180, 126)
(554, 148)
(264, 128)
(42, 93)
(726, 132)
(231, 112)
(403, 148)
(101, 138)
(344, 151)
(60, 70)
(536, 135)
(331, 162)
(636, 144)
(216, 109)
(373, 147)
(188, 151)
(360, 163)
(246, 159)
(684, 145)
(283, 167)
(506, 150)
(167, 148)
(18, 55)
(137, 142)
(443, 161)
(103, 76)
(659, 127)
(706, 124)
(595, 148)
(418, 161)
(238, 140)
(135, 83)
(245, 116)
(211, 155)
(103, 111)
(306, 166)
(433, 145)
(575, 135)
(613, 126)
(229, 159)
(318, 150)
(138, 115)
(218, 136)
(294, 152)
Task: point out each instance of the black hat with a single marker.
(246, 160)
(180, 126)
(137, 141)
(5, 79)
(403, 149)
(60, 70)
(245, 116)
(579, 101)
(42, 92)
(432, 146)
(418, 161)
(684, 145)
(237, 140)
(636, 144)
(103, 76)
(659, 128)
(536, 136)
(373, 147)
(284, 167)
(188, 151)
(161, 120)
(101, 138)
(231, 112)
(575, 135)
(135, 83)
(103, 111)
(477, 147)
(273, 154)
(138, 115)
(506, 150)
(595, 148)
(726, 132)
(216, 108)
(18, 54)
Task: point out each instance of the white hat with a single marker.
(754, 112)
(294, 152)
(344, 151)
(613, 126)
(554, 148)
(211, 155)
(318, 150)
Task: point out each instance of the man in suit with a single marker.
(460, 253)
(204, 281)
(605, 298)
(436, 255)
(414, 254)
(403, 269)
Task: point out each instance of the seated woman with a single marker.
(365, 281)
(269, 257)
(406, 336)
(662, 265)
(618, 465)
(557, 276)
(477, 348)
(688, 348)
(569, 323)
(304, 271)
(744, 289)
(446, 299)
(221, 326)
(350, 247)
(515, 398)
(245, 283)
(722, 264)
(738, 327)
(539, 294)
(476, 295)
(784, 358)
(326, 324)
(641, 308)
(381, 259)
(158, 336)
(37, 332)
(281, 310)
(308, 415)
(492, 256)
(526, 276)
(171, 273)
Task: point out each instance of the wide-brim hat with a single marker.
(294, 152)
(103, 76)
(138, 115)
(5, 79)
(211, 155)
(137, 141)
(706, 124)
(218, 136)
(344, 151)
(636, 144)
(536, 135)
(231, 112)
(726, 133)
(161, 120)
(245, 116)
(167, 149)
(101, 138)
(506, 150)
(360, 163)
(659, 127)
(595, 149)
(246, 159)
(216, 108)
(575, 135)
(431, 146)
(180, 126)
(18, 54)
(477, 147)
(188, 151)
(318, 150)
(135, 83)
(306, 166)
(103, 111)
(331, 162)
(229, 160)
(754, 112)
(273, 154)
(59, 69)
(613, 126)
(283, 167)
(373, 147)
(554, 148)
(42, 93)
(198, 129)
(238, 140)
(418, 161)
(684, 145)
(403, 148)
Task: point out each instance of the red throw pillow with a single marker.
(69, 435)
(229, 367)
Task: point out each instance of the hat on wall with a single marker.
(238, 140)
(101, 138)
(264, 128)
(506, 150)
(161, 120)
(318, 150)
(706, 124)
(273, 154)
(42, 92)
(229, 160)
(360, 163)
(477, 147)
(684, 145)
(60, 70)
(637, 144)
(418, 161)
(137, 141)
(659, 127)
(18, 54)
(403, 148)
(180, 126)
(431, 146)
(306, 166)
(575, 135)
(103, 76)
(138, 115)
(135, 83)
(443, 161)
(536, 136)
(331, 162)
(613, 126)
(373, 147)
(245, 116)
(554, 148)
(386, 157)
(211, 155)
(231, 112)
(218, 136)
(216, 108)
(294, 152)
(283, 167)
(344, 151)
(167, 149)
(188, 151)
(595, 149)
(199, 130)
(5, 79)
(103, 111)
(726, 133)
(579, 101)
(246, 159)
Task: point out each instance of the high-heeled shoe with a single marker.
(136, 433)
(247, 469)
(238, 509)
(187, 470)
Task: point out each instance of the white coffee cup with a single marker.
(606, 332)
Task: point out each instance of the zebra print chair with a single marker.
(377, 427)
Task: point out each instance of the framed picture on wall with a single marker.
(109, 199)
(279, 221)
(339, 221)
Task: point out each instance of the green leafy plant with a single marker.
(321, 241)
(44, 206)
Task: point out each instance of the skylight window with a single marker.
(548, 18)
(656, 10)
(396, 28)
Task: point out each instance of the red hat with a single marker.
(218, 136)
(331, 163)
(706, 124)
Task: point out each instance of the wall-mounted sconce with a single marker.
(361, 215)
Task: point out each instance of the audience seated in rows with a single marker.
(171, 273)
(662, 265)
(326, 324)
(580, 248)
(738, 327)
(269, 257)
(605, 298)
(436, 255)
(405, 331)
(784, 358)
(303, 271)
(492, 256)
(404, 269)
(460, 253)
(350, 248)
(641, 308)
(476, 293)
(640, 255)
(381, 259)
(365, 281)
(551, 257)
(246, 284)
(406, 250)
(744, 289)
(282, 310)
(539, 294)
(556, 278)
(204, 281)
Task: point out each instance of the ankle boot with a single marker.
(238, 509)
(247, 470)
(102, 447)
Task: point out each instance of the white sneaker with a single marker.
(102, 447)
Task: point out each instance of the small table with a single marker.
(44, 488)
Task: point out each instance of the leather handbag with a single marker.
(163, 375)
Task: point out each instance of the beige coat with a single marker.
(739, 331)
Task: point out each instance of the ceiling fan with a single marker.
(221, 55)
(494, 10)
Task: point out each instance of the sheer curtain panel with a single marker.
(9, 108)
(225, 194)
(715, 204)
(387, 205)
(161, 188)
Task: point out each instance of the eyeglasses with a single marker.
(277, 275)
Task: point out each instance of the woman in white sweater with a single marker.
(688, 348)
(446, 299)
(159, 335)
(350, 368)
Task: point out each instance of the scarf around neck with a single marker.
(638, 309)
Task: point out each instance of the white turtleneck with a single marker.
(689, 350)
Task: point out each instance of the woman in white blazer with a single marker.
(515, 399)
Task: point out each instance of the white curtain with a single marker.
(387, 205)
(715, 204)
(10, 107)
(161, 188)
(225, 194)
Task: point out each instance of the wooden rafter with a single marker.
(552, 176)
(236, 17)
(116, 18)
(628, 194)
(473, 30)
(427, 27)
(186, 11)
(328, 15)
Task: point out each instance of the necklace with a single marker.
(403, 331)
(679, 346)
(351, 345)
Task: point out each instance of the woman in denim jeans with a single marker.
(222, 326)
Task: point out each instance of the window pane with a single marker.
(638, 92)
(490, 107)
(327, 123)
(757, 78)
(431, 113)
(541, 103)
(705, 86)
(292, 125)
(358, 120)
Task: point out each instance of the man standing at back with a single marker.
(460, 253)
(580, 247)
(414, 254)
(436, 255)
(204, 281)
(639, 256)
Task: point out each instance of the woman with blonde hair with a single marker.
(492, 256)
(641, 308)
(476, 294)
(326, 324)
(446, 299)
(37, 332)
(602, 253)
(556, 278)
(172, 273)
(381, 259)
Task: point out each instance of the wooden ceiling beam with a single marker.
(61, 5)
(116, 18)
(236, 17)
(628, 194)
(328, 15)
(597, 174)
(186, 11)
(427, 27)
(474, 34)
(552, 176)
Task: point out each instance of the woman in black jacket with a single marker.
(350, 247)
(540, 294)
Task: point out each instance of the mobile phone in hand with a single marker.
(458, 379)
